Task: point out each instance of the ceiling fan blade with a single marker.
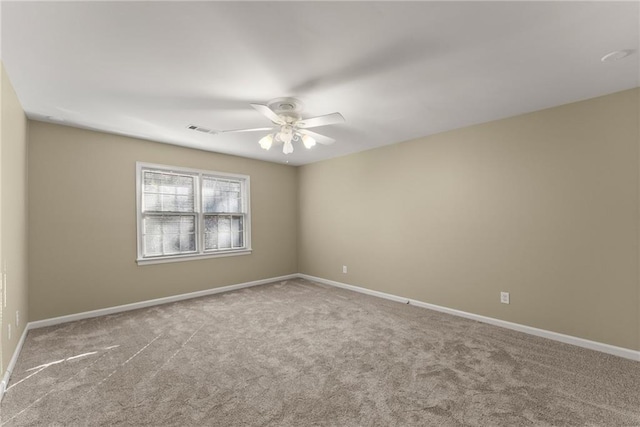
(320, 139)
(313, 122)
(245, 130)
(268, 112)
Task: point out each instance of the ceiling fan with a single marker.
(288, 125)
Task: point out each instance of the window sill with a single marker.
(179, 258)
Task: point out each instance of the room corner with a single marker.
(13, 231)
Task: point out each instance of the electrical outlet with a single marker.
(504, 297)
(9, 330)
(17, 318)
(344, 269)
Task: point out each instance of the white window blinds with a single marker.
(221, 198)
(187, 212)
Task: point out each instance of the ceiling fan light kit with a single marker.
(289, 127)
(286, 137)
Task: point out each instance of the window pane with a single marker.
(167, 202)
(210, 241)
(171, 244)
(224, 232)
(152, 245)
(221, 203)
(153, 225)
(171, 225)
(184, 203)
(187, 242)
(207, 195)
(232, 200)
(219, 195)
(166, 192)
(233, 195)
(152, 202)
(236, 232)
(210, 224)
(210, 232)
(187, 224)
(169, 234)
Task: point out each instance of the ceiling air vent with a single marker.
(201, 129)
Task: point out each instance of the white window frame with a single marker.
(200, 251)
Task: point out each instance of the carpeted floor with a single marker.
(301, 354)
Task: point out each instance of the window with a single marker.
(186, 213)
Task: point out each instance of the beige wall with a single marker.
(82, 221)
(543, 205)
(13, 219)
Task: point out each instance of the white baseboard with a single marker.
(555, 336)
(120, 308)
(568, 339)
(12, 362)
(149, 303)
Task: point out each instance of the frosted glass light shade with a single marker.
(266, 142)
(308, 141)
(287, 148)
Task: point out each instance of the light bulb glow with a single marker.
(308, 141)
(287, 148)
(266, 142)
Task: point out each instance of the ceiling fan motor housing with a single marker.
(289, 109)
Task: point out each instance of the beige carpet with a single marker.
(302, 354)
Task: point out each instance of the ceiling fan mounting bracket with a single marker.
(286, 106)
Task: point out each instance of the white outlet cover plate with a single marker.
(504, 297)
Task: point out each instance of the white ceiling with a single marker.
(395, 70)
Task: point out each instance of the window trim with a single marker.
(201, 254)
